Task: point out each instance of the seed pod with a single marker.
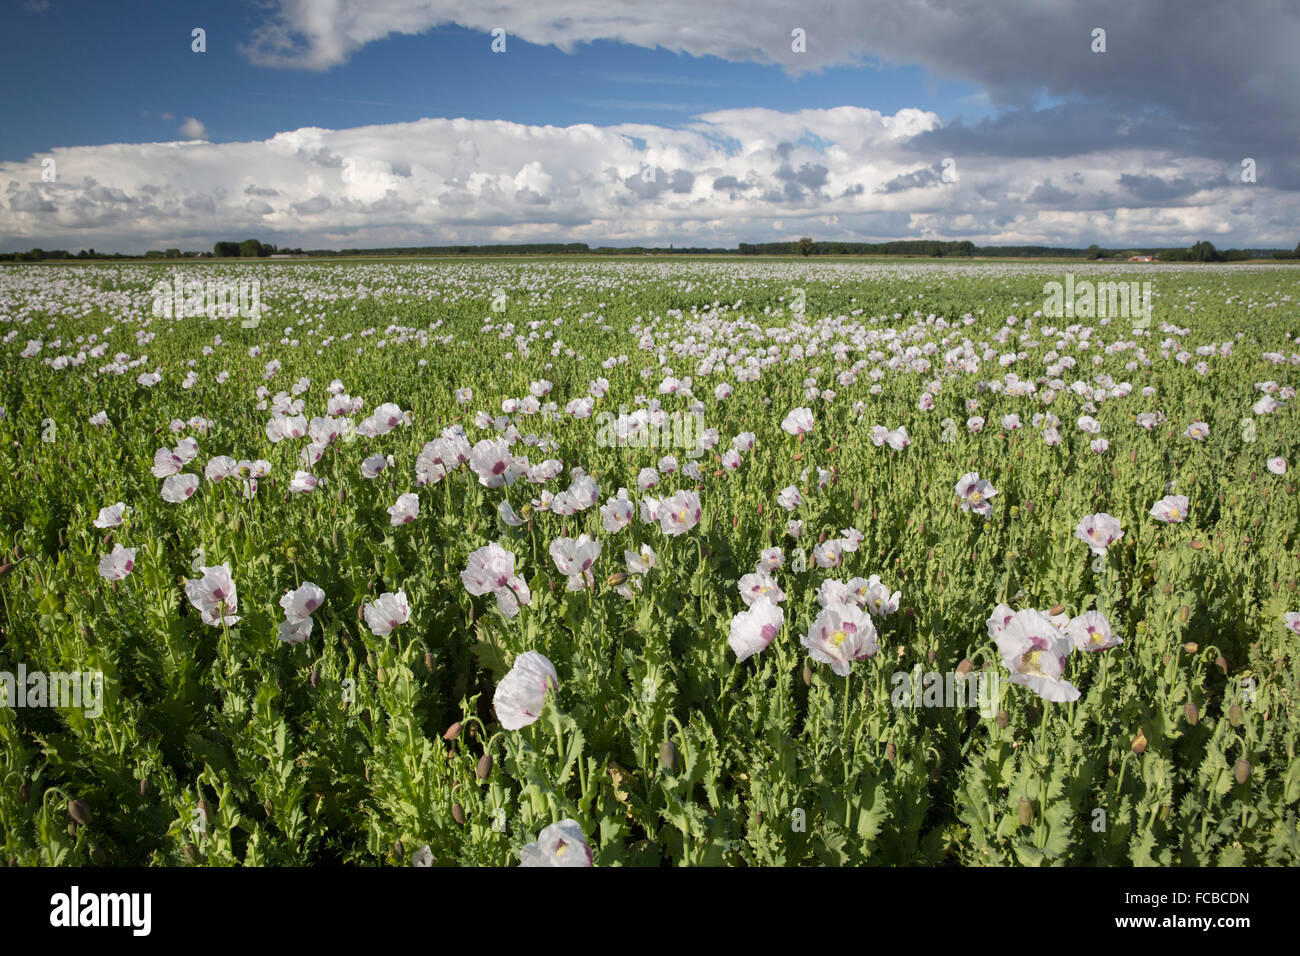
(614, 580)
(1192, 713)
(458, 813)
(192, 854)
(1139, 742)
(1222, 663)
(1025, 812)
(965, 667)
(807, 676)
(668, 756)
(890, 751)
(1191, 647)
(1002, 719)
(334, 540)
(1241, 770)
(484, 767)
(1234, 715)
(79, 811)
(1197, 544)
(315, 676)
(452, 732)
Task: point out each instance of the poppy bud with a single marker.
(668, 756)
(428, 661)
(399, 851)
(1029, 507)
(79, 811)
(484, 767)
(267, 807)
(315, 675)
(965, 667)
(1165, 660)
(24, 791)
(931, 655)
(5, 568)
(192, 854)
(1234, 715)
(614, 580)
(1002, 719)
(334, 540)
(1191, 647)
(1197, 544)
(807, 676)
(890, 751)
(144, 786)
(1056, 609)
(370, 661)
(452, 732)
(1183, 613)
(208, 810)
(1139, 742)
(1241, 770)
(1025, 812)
(1192, 713)
(342, 496)
(458, 813)
(382, 676)
(856, 503)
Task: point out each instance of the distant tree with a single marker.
(226, 250)
(1094, 251)
(250, 249)
(804, 246)
(1204, 252)
(172, 253)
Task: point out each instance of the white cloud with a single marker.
(193, 129)
(845, 173)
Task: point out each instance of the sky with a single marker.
(369, 123)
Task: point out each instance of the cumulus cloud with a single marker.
(193, 129)
(728, 176)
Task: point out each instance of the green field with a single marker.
(214, 741)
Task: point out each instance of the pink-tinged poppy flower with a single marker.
(1172, 509)
(794, 528)
(975, 424)
(646, 479)
(680, 513)
(798, 422)
(1198, 431)
(112, 516)
(214, 595)
(770, 559)
(574, 558)
(1090, 631)
(1277, 466)
(898, 438)
(490, 459)
(828, 553)
(374, 466)
(302, 602)
(464, 396)
(178, 488)
(388, 612)
(507, 514)
(521, 695)
(617, 513)
(999, 619)
(975, 493)
(1010, 422)
(842, 634)
(1266, 405)
(405, 511)
(851, 539)
(641, 563)
(789, 498)
(1034, 650)
(1292, 620)
(295, 631)
(303, 482)
(99, 419)
(1099, 532)
(760, 586)
(560, 844)
(491, 570)
(723, 392)
(116, 566)
(731, 459)
(1099, 445)
(1089, 425)
(220, 468)
(872, 595)
(755, 627)
(743, 442)
(166, 463)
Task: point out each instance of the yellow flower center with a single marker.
(839, 637)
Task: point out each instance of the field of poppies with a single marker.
(647, 562)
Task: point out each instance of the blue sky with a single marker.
(355, 123)
(106, 78)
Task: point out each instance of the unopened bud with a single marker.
(192, 854)
(1139, 742)
(1002, 719)
(1056, 609)
(890, 751)
(1025, 812)
(452, 732)
(79, 810)
(807, 676)
(1192, 713)
(1234, 715)
(1241, 770)
(965, 667)
(484, 767)
(458, 813)
(668, 756)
